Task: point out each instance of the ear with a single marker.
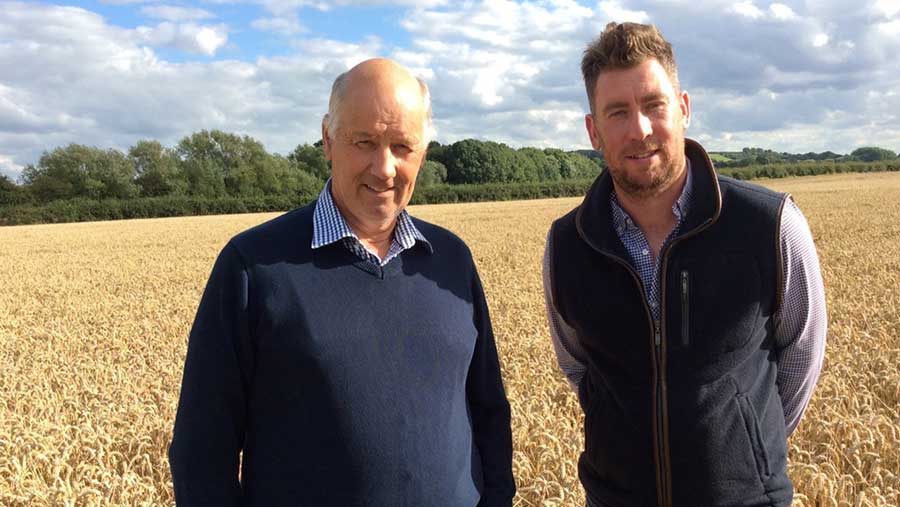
(589, 125)
(326, 141)
(685, 109)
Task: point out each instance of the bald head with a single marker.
(376, 80)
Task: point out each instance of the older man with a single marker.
(687, 309)
(345, 347)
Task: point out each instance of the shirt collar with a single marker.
(683, 203)
(623, 222)
(330, 227)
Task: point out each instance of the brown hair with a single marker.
(623, 46)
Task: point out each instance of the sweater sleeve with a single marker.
(490, 410)
(209, 424)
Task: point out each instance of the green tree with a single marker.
(761, 156)
(581, 167)
(593, 155)
(437, 152)
(574, 165)
(216, 163)
(116, 174)
(50, 184)
(465, 162)
(431, 173)
(156, 168)
(312, 160)
(202, 165)
(81, 171)
(539, 166)
(294, 181)
(474, 161)
(10, 193)
(872, 154)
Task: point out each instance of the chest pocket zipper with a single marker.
(685, 309)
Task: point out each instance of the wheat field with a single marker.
(94, 320)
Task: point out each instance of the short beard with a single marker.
(661, 181)
(641, 190)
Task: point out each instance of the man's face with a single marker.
(376, 153)
(638, 123)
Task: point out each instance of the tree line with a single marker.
(215, 172)
(759, 156)
(215, 164)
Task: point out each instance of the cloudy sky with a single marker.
(805, 75)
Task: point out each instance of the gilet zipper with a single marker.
(659, 392)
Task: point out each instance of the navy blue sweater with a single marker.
(343, 384)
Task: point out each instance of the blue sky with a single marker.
(789, 75)
(336, 22)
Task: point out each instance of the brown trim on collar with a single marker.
(593, 214)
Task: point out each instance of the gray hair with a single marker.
(339, 91)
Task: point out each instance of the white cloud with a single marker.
(617, 13)
(209, 39)
(782, 12)
(175, 13)
(501, 23)
(888, 8)
(497, 66)
(282, 7)
(820, 40)
(891, 28)
(771, 78)
(500, 70)
(107, 88)
(188, 37)
(125, 2)
(747, 9)
(336, 54)
(286, 25)
(9, 168)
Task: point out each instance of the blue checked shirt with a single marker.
(639, 248)
(800, 336)
(330, 227)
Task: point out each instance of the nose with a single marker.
(384, 163)
(640, 127)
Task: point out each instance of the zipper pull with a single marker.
(656, 332)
